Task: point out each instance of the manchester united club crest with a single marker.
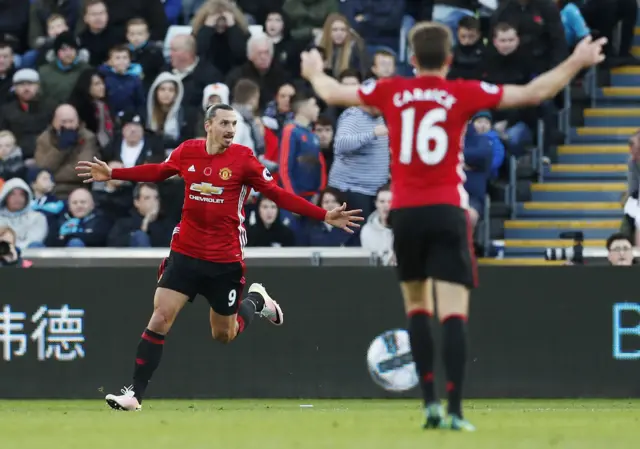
(225, 174)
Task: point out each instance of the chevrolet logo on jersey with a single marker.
(204, 188)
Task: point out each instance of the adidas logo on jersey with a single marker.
(192, 168)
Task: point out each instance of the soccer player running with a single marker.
(207, 248)
(426, 117)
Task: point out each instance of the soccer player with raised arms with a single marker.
(426, 117)
(207, 248)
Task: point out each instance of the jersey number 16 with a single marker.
(427, 131)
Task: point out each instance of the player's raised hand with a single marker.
(590, 52)
(342, 218)
(94, 171)
(311, 63)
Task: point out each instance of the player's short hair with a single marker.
(244, 90)
(137, 21)
(301, 97)
(502, 27)
(53, 17)
(431, 44)
(120, 48)
(350, 73)
(323, 120)
(211, 112)
(138, 188)
(469, 23)
(615, 237)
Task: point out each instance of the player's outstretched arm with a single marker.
(586, 54)
(99, 171)
(329, 89)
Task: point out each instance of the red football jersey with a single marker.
(216, 188)
(427, 117)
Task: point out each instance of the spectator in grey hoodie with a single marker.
(15, 212)
(376, 235)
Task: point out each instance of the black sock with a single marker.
(147, 360)
(455, 358)
(257, 300)
(246, 312)
(422, 350)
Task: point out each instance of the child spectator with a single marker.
(44, 200)
(483, 153)
(322, 234)
(122, 78)
(11, 162)
(469, 51)
(265, 227)
(165, 114)
(324, 130)
(97, 37)
(41, 45)
(384, 64)
(147, 54)
(43, 10)
(89, 99)
(376, 235)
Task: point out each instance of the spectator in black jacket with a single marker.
(97, 37)
(144, 52)
(82, 225)
(221, 33)
(265, 227)
(28, 115)
(260, 68)
(14, 22)
(195, 73)
(114, 198)
(145, 227)
(540, 28)
(379, 21)
(132, 146)
(469, 51)
(604, 16)
(7, 69)
(286, 51)
(152, 11)
(450, 12)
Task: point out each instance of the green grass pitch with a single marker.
(347, 424)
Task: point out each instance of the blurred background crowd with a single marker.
(128, 80)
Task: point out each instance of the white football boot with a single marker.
(271, 310)
(126, 401)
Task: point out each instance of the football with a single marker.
(390, 362)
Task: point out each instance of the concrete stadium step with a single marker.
(520, 261)
(550, 229)
(572, 191)
(586, 171)
(625, 80)
(612, 117)
(575, 210)
(518, 247)
(604, 134)
(607, 96)
(593, 154)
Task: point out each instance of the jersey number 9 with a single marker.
(427, 131)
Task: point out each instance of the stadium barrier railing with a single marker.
(537, 332)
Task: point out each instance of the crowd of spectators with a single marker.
(128, 80)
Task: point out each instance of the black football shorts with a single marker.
(220, 283)
(434, 242)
